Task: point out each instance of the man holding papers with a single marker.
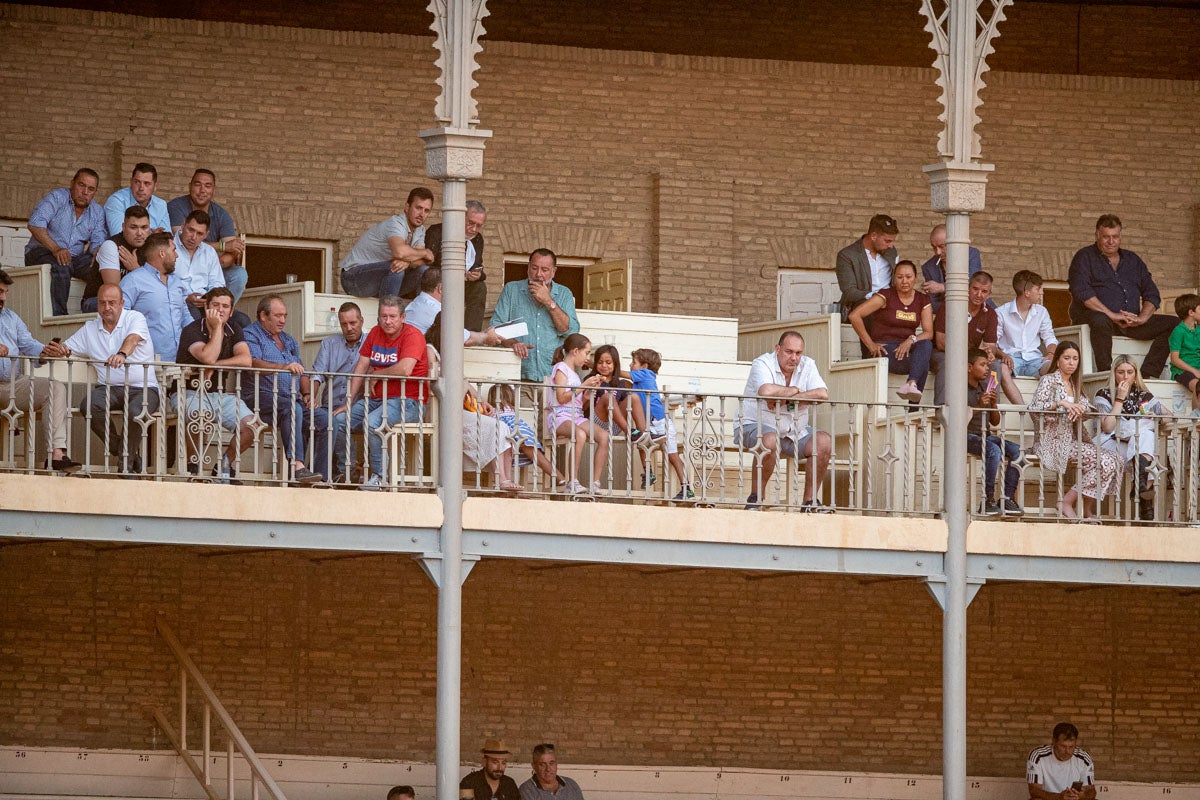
(546, 308)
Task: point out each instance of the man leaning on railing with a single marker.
(25, 393)
(119, 340)
(774, 409)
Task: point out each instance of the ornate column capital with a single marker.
(957, 188)
(454, 153)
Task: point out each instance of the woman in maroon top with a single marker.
(896, 314)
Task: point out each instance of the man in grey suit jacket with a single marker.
(865, 265)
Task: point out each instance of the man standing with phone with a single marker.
(1061, 769)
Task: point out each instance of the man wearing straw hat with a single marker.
(490, 782)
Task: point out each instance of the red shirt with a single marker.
(897, 321)
(384, 352)
(980, 328)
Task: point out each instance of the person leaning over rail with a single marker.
(781, 386)
(30, 393)
(117, 337)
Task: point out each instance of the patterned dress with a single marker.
(1057, 445)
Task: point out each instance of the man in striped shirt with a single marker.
(1061, 769)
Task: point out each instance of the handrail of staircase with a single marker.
(236, 741)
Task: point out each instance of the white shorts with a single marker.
(665, 427)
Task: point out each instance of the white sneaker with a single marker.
(597, 488)
(373, 484)
(575, 487)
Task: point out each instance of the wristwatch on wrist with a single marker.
(553, 305)
(123, 354)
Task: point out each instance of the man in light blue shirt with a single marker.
(546, 307)
(156, 291)
(142, 184)
(338, 354)
(28, 393)
(66, 227)
(197, 264)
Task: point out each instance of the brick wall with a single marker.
(1094, 38)
(620, 665)
(702, 170)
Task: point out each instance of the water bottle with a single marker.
(331, 321)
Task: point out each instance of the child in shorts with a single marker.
(644, 365)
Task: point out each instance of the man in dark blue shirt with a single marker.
(1112, 292)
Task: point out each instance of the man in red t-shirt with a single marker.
(391, 356)
(982, 328)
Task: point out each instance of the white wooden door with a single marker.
(803, 292)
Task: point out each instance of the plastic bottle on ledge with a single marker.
(331, 321)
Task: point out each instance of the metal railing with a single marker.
(235, 743)
(883, 458)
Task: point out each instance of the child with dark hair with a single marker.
(611, 407)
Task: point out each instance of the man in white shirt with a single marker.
(426, 306)
(197, 264)
(775, 404)
(1024, 324)
(119, 340)
(1061, 770)
(117, 255)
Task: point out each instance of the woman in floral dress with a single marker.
(1063, 438)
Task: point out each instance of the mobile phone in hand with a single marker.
(992, 381)
(1077, 786)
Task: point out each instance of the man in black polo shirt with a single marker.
(1113, 294)
(490, 783)
(214, 341)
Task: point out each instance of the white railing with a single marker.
(235, 743)
(884, 458)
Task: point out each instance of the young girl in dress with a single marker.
(1063, 438)
(565, 418)
(504, 399)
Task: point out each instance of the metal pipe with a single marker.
(207, 743)
(954, 619)
(450, 457)
(229, 766)
(183, 678)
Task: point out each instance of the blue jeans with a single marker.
(380, 414)
(236, 279)
(997, 448)
(378, 280)
(292, 419)
(1026, 367)
(916, 366)
(60, 275)
(345, 453)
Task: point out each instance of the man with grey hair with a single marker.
(390, 360)
(475, 288)
(546, 783)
